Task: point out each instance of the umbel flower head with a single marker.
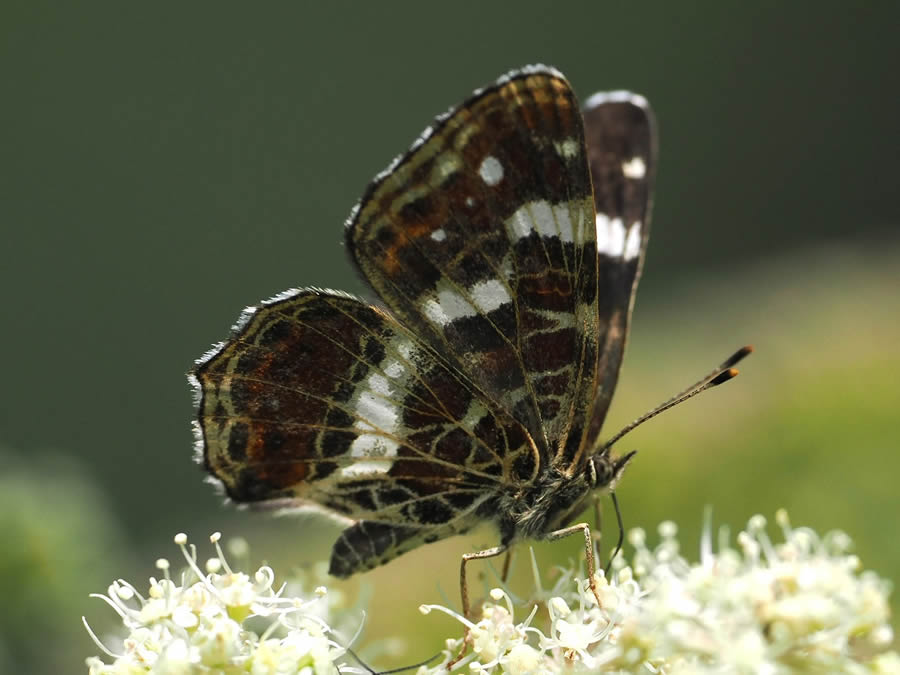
(202, 624)
(799, 606)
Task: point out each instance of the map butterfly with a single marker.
(505, 246)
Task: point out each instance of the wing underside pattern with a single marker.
(506, 245)
(482, 240)
(620, 137)
(319, 398)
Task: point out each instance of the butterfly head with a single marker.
(605, 469)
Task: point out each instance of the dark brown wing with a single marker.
(620, 132)
(320, 400)
(481, 239)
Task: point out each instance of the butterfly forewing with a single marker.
(321, 399)
(620, 137)
(481, 240)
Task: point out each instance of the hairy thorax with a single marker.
(555, 498)
(551, 502)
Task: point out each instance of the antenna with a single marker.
(721, 374)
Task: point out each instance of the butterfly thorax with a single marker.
(556, 497)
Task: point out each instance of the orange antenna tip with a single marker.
(738, 356)
(724, 377)
(718, 376)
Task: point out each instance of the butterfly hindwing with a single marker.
(321, 399)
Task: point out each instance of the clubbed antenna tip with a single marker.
(721, 374)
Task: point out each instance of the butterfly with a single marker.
(505, 248)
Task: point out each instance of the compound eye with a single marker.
(602, 470)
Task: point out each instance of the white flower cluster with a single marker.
(200, 625)
(801, 606)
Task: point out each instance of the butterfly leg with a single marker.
(507, 561)
(464, 591)
(598, 530)
(478, 555)
(621, 538)
(585, 529)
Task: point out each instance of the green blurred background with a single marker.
(166, 164)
